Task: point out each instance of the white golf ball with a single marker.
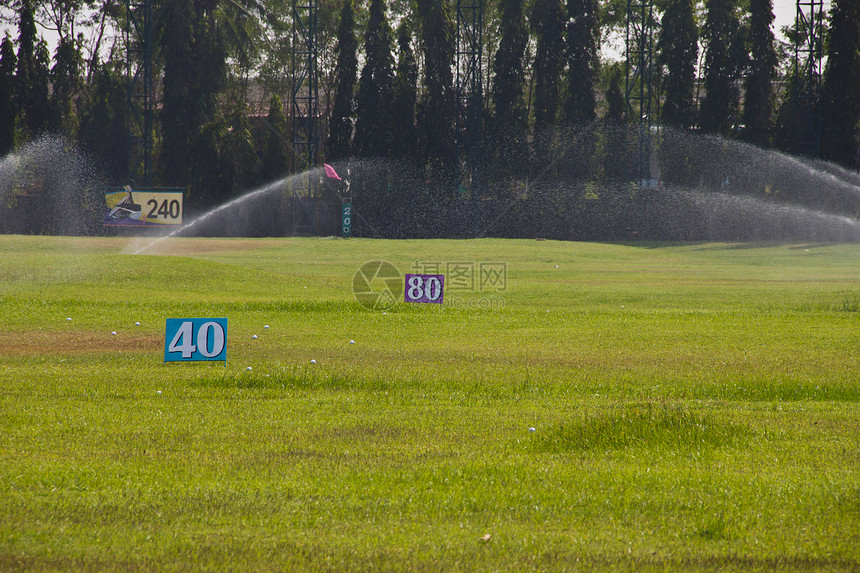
(531, 429)
(313, 361)
(352, 341)
(137, 323)
(254, 337)
(69, 319)
(248, 368)
(158, 391)
(266, 327)
(113, 333)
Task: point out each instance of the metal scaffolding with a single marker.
(305, 84)
(469, 135)
(305, 110)
(139, 90)
(808, 48)
(638, 91)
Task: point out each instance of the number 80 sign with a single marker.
(187, 339)
(424, 288)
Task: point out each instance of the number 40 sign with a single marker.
(187, 339)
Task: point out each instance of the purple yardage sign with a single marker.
(424, 288)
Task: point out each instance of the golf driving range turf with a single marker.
(693, 406)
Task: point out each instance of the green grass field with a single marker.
(695, 406)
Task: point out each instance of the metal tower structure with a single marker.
(469, 135)
(139, 90)
(305, 103)
(808, 48)
(638, 92)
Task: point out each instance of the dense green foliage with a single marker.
(722, 36)
(582, 60)
(507, 125)
(339, 142)
(8, 109)
(436, 110)
(678, 50)
(547, 74)
(508, 116)
(758, 90)
(404, 135)
(375, 87)
(840, 108)
(548, 23)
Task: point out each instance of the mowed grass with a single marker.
(693, 406)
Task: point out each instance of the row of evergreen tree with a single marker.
(390, 91)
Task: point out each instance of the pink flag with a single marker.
(330, 172)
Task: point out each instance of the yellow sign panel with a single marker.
(143, 207)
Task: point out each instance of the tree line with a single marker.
(222, 73)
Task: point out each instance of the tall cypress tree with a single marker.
(436, 110)
(102, 129)
(8, 109)
(339, 142)
(506, 125)
(579, 108)
(722, 38)
(548, 23)
(677, 48)
(785, 117)
(31, 73)
(508, 117)
(275, 160)
(26, 58)
(840, 106)
(375, 87)
(758, 87)
(177, 114)
(39, 107)
(66, 81)
(194, 72)
(614, 163)
(404, 136)
(615, 104)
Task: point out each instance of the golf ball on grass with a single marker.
(313, 361)
(254, 337)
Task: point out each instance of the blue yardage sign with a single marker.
(346, 218)
(189, 339)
